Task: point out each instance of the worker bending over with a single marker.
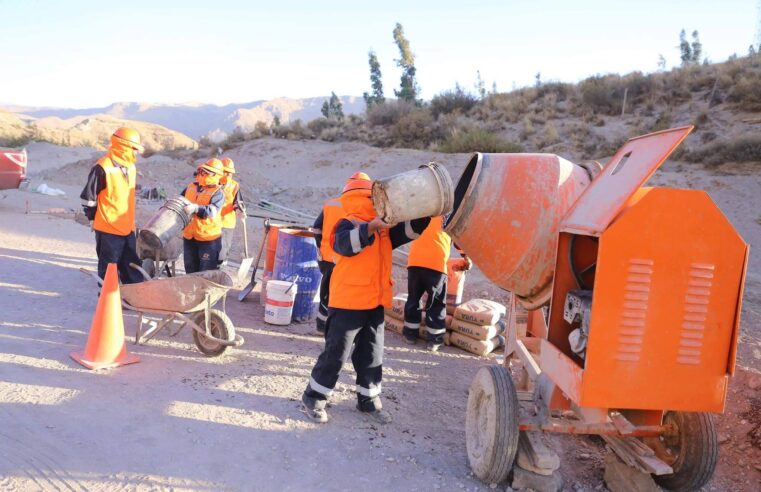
(360, 289)
(108, 200)
(203, 235)
(233, 205)
(427, 273)
(332, 212)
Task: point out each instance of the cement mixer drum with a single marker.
(506, 216)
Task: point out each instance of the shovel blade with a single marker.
(245, 266)
(246, 291)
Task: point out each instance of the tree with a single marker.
(538, 78)
(494, 87)
(332, 109)
(376, 97)
(685, 52)
(697, 47)
(751, 51)
(275, 121)
(408, 89)
(661, 63)
(480, 85)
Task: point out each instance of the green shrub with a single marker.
(455, 100)
(477, 140)
(389, 113)
(746, 91)
(742, 149)
(414, 129)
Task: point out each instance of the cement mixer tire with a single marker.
(491, 424)
(691, 447)
(220, 326)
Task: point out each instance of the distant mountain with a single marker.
(197, 120)
(85, 131)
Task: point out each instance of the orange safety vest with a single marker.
(116, 202)
(432, 248)
(228, 211)
(200, 229)
(364, 281)
(332, 212)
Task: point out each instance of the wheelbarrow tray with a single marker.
(184, 294)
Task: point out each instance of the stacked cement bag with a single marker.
(477, 326)
(394, 318)
(455, 283)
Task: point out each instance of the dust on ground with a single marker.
(180, 420)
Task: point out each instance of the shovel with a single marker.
(247, 290)
(246, 261)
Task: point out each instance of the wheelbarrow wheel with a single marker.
(491, 424)
(220, 327)
(690, 447)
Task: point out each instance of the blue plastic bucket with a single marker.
(296, 260)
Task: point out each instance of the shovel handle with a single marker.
(245, 237)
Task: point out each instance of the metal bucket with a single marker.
(425, 192)
(166, 224)
(507, 214)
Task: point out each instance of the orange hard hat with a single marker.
(127, 137)
(358, 181)
(214, 166)
(228, 165)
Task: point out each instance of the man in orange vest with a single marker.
(332, 212)
(233, 204)
(427, 273)
(203, 235)
(108, 200)
(360, 289)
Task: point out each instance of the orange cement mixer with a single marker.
(644, 289)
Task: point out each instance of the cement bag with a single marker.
(451, 309)
(480, 312)
(397, 326)
(446, 338)
(478, 332)
(448, 322)
(477, 347)
(397, 306)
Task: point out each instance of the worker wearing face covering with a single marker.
(203, 235)
(108, 200)
(360, 289)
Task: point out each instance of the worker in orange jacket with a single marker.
(427, 273)
(360, 289)
(203, 235)
(108, 200)
(233, 205)
(332, 212)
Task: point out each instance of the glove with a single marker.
(191, 208)
(468, 264)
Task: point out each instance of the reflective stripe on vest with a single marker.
(116, 202)
(332, 212)
(228, 211)
(200, 229)
(431, 250)
(364, 281)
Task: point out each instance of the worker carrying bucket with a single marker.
(360, 290)
(203, 235)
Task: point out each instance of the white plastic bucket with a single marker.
(279, 305)
(425, 192)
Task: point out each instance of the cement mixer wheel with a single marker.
(491, 424)
(690, 447)
(220, 326)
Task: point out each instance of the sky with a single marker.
(81, 54)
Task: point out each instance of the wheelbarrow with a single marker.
(186, 299)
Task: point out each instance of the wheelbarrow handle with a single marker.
(142, 272)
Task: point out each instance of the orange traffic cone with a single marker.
(105, 344)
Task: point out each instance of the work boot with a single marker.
(379, 415)
(433, 346)
(314, 409)
(409, 340)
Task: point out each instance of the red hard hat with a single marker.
(214, 166)
(358, 181)
(127, 137)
